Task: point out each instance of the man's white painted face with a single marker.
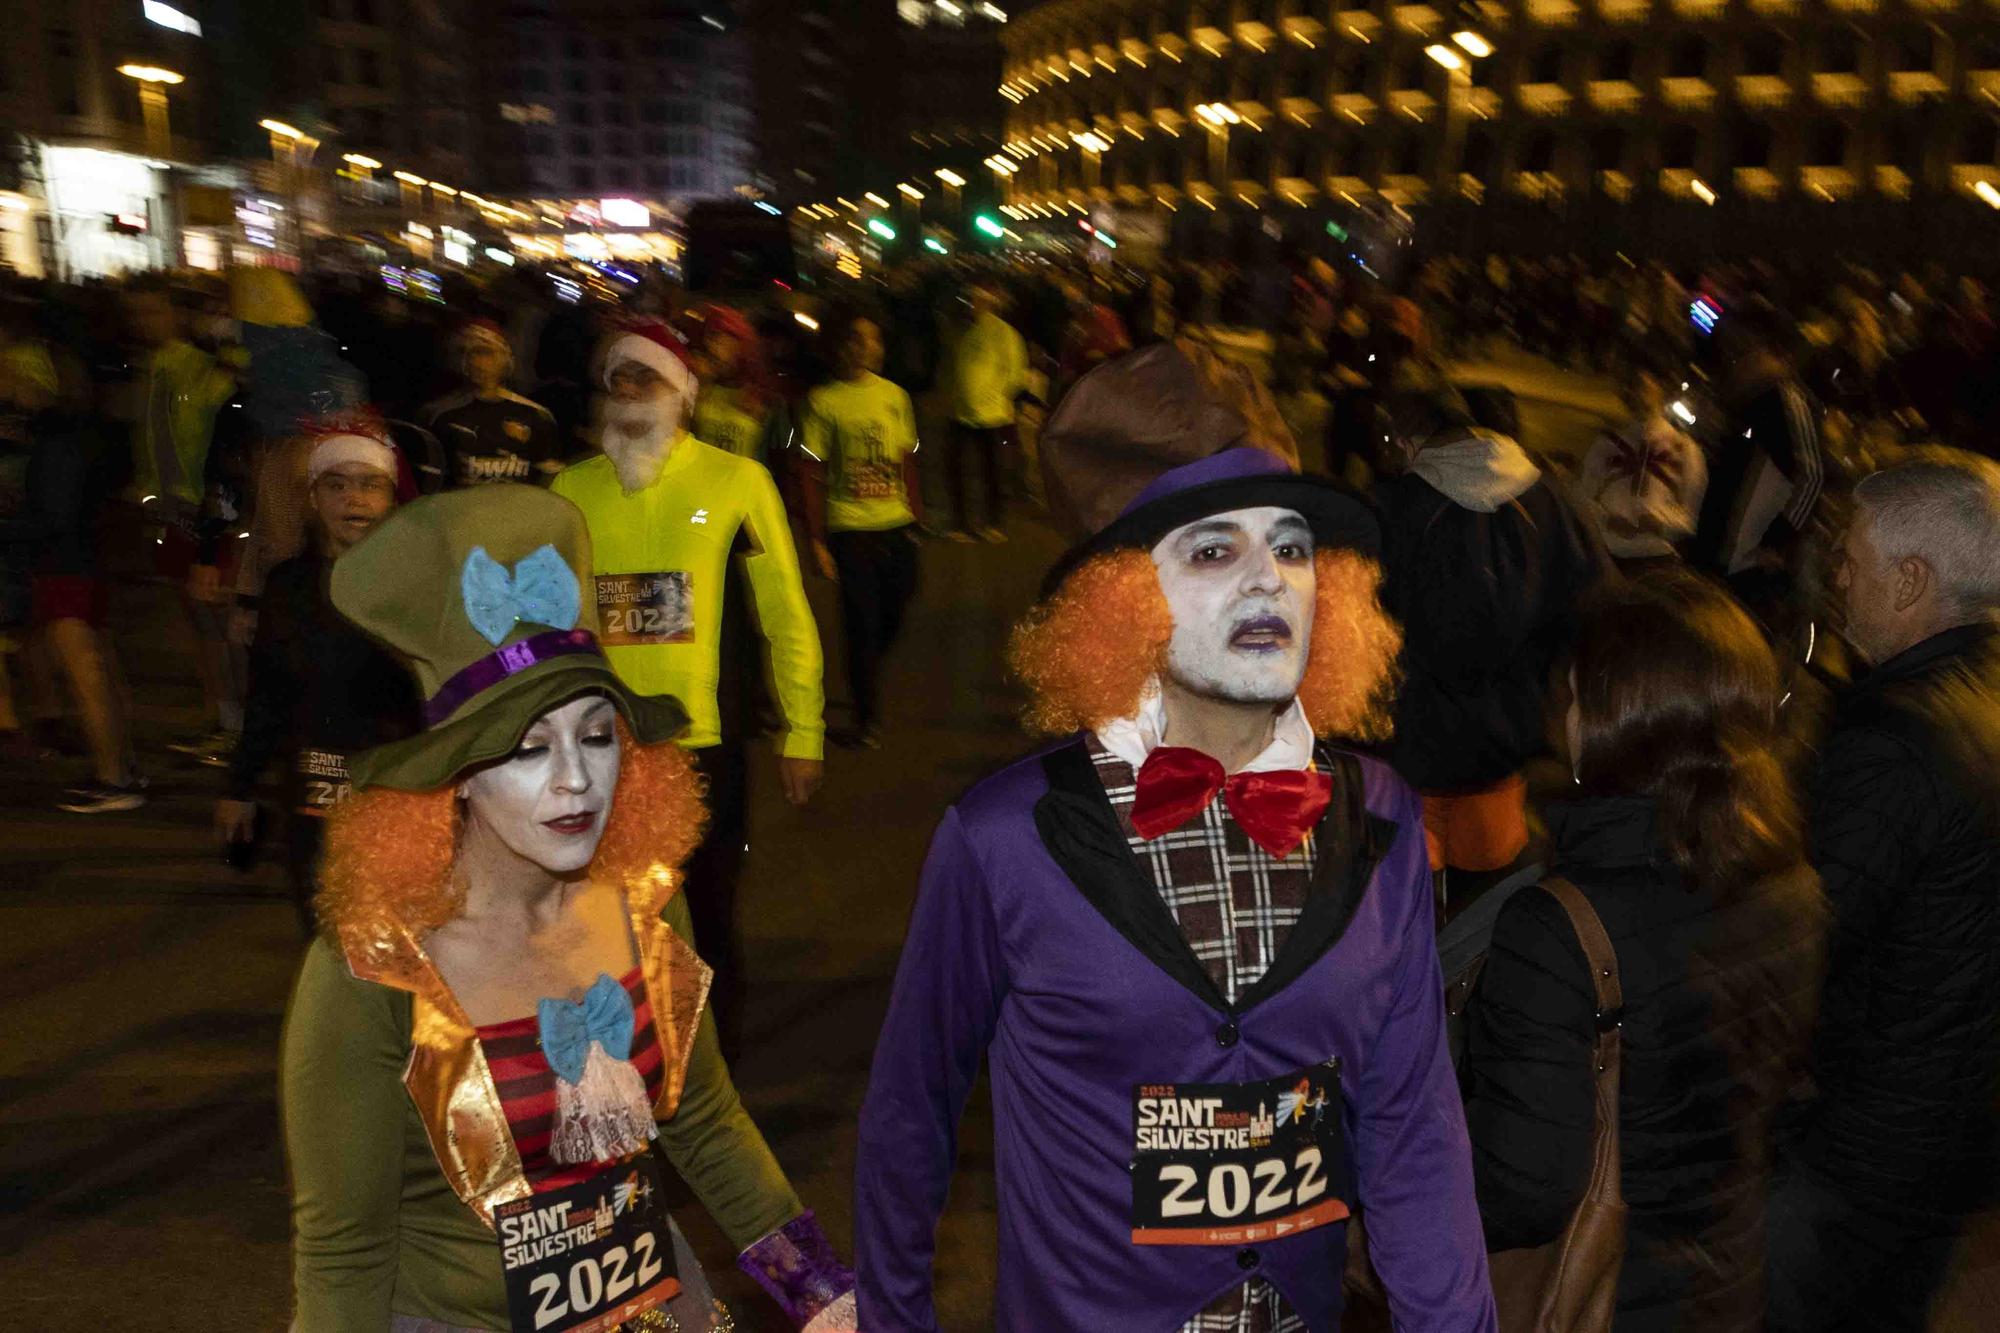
(548, 801)
(1240, 587)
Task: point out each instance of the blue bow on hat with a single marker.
(542, 590)
(604, 1016)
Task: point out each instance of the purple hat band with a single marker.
(1228, 465)
(512, 660)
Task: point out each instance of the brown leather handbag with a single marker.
(1570, 1285)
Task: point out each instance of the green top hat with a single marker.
(482, 594)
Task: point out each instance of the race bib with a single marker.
(587, 1258)
(323, 781)
(645, 608)
(870, 481)
(1237, 1163)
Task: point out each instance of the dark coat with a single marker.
(1486, 602)
(316, 681)
(1718, 994)
(1905, 830)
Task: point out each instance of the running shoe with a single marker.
(103, 798)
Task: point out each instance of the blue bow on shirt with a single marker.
(541, 590)
(604, 1016)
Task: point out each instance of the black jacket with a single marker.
(316, 681)
(1486, 601)
(1780, 423)
(1905, 831)
(1718, 1008)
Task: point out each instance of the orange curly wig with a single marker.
(1086, 652)
(389, 853)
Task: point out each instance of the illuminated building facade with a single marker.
(1518, 123)
(621, 98)
(853, 95)
(395, 80)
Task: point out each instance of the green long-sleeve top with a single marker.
(377, 1228)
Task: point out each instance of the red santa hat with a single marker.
(340, 447)
(655, 345)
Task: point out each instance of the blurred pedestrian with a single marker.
(1643, 481)
(1901, 1138)
(179, 391)
(1683, 836)
(986, 374)
(665, 513)
(863, 505)
(69, 484)
(487, 431)
(1483, 562)
(738, 408)
(1767, 472)
(320, 690)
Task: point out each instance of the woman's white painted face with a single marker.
(548, 801)
(1240, 588)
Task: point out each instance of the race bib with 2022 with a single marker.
(1238, 1163)
(645, 608)
(587, 1258)
(323, 781)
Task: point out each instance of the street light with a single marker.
(949, 177)
(876, 199)
(361, 160)
(1473, 44)
(153, 83)
(910, 191)
(152, 74)
(1445, 56)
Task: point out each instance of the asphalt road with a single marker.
(143, 984)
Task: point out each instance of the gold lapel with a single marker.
(447, 1075)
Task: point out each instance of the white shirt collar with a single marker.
(1133, 738)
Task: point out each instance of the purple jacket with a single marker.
(1039, 941)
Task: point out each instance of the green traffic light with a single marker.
(882, 229)
(986, 223)
(933, 244)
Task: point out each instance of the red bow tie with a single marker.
(1277, 809)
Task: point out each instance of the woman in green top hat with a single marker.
(504, 1019)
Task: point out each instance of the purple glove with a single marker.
(798, 1267)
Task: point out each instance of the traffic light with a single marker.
(935, 246)
(882, 229)
(989, 225)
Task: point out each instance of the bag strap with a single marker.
(1602, 959)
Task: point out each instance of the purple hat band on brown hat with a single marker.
(1142, 445)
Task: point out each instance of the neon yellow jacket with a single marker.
(683, 527)
(181, 388)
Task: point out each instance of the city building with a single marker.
(856, 95)
(623, 99)
(106, 110)
(395, 81)
(1606, 123)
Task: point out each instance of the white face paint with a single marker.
(1240, 588)
(549, 800)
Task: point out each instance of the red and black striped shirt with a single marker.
(528, 1086)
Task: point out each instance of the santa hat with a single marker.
(655, 345)
(340, 447)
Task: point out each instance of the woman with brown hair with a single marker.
(1683, 835)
